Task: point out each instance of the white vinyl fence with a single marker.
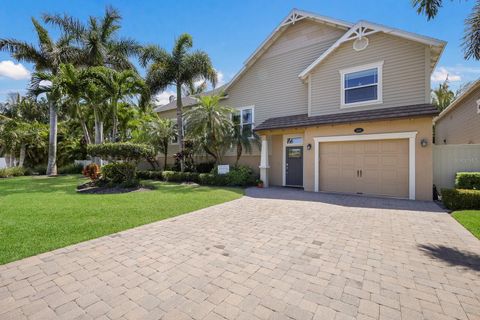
(452, 158)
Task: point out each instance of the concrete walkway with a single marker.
(274, 254)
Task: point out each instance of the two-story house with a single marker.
(340, 107)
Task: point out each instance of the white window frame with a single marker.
(239, 110)
(343, 72)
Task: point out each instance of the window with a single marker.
(361, 85)
(245, 118)
(295, 140)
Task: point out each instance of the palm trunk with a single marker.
(23, 149)
(115, 122)
(98, 134)
(165, 146)
(239, 153)
(52, 142)
(86, 134)
(181, 143)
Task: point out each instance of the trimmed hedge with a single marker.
(119, 174)
(120, 151)
(240, 176)
(12, 172)
(461, 199)
(467, 180)
(71, 169)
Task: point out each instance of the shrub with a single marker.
(241, 176)
(12, 172)
(71, 169)
(149, 175)
(461, 199)
(467, 180)
(119, 174)
(205, 167)
(39, 169)
(121, 151)
(92, 171)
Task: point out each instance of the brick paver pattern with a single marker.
(335, 257)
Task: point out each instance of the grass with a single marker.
(470, 219)
(39, 214)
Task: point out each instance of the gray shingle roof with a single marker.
(303, 120)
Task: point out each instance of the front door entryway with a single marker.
(294, 166)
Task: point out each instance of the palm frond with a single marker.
(428, 8)
(471, 39)
(69, 25)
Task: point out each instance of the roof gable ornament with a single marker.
(294, 17)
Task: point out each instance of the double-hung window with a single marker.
(361, 85)
(244, 117)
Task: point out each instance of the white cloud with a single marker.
(220, 78)
(9, 69)
(164, 97)
(441, 73)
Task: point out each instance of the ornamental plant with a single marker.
(92, 171)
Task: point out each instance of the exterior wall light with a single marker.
(424, 142)
(309, 146)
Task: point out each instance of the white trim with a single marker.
(309, 97)
(284, 155)
(376, 65)
(344, 25)
(364, 28)
(411, 136)
(478, 106)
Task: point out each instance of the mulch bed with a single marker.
(90, 188)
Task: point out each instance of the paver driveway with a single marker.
(320, 256)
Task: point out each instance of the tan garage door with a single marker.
(377, 167)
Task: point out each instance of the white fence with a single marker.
(452, 158)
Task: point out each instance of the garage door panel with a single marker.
(378, 167)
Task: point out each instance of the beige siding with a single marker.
(271, 84)
(462, 124)
(453, 158)
(405, 80)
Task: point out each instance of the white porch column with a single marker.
(264, 162)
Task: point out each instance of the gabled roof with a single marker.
(365, 28)
(294, 16)
(475, 85)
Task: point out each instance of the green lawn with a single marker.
(470, 219)
(39, 214)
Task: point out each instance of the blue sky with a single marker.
(230, 31)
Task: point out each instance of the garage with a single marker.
(372, 167)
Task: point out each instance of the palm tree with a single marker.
(47, 57)
(471, 37)
(242, 139)
(99, 39)
(442, 96)
(117, 86)
(210, 122)
(193, 89)
(178, 68)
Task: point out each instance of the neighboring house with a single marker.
(459, 123)
(340, 107)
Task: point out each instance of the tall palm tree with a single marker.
(471, 37)
(242, 139)
(46, 57)
(118, 86)
(99, 39)
(442, 96)
(210, 122)
(178, 68)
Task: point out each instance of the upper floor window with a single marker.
(361, 85)
(245, 118)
